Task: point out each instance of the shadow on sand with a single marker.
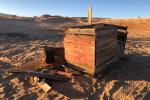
(133, 67)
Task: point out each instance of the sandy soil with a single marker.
(125, 80)
(137, 27)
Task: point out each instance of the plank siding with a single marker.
(90, 49)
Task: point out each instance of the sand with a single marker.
(125, 80)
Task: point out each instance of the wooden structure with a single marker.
(45, 57)
(91, 48)
(51, 56)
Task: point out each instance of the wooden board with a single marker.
(85, 31)
(90, 49)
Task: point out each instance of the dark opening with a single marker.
(50, 57)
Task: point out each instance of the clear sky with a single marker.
(77, 8)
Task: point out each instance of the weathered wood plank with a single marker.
(71, 38)
(39, 74)
(102, 60)
(44, 86)
(105, 33)
(108, 42)
(85, 31)
(84, 68)
(100, 68)
(80, 49)
(98, 49)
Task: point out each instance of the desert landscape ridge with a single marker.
(21, 37)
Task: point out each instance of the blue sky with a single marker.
(77, 8)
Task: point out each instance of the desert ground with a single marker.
(127, 79)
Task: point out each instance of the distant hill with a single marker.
(2, 14)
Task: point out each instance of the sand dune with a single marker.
(137, 27)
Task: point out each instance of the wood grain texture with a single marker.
(85, 31)
(90, 49)
(80, 51)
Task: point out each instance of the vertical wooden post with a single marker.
(90, 15)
